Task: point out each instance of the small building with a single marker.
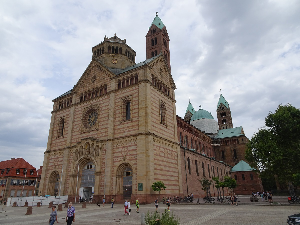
(17, 178)
(247, 179)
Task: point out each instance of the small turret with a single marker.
(224, 114)
(157, 40)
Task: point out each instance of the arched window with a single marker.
(162, 113)
(128, 110)
(189, 165)
(235, 177)
(203, 168)
(109, 49)
(208, 170)
(196, 163)
(234, 154)
(155, 41)
(155, 52)
(165, 43)
(61, 127)
(112, 49)
(116, 50)
(120, 50)
(152, 42)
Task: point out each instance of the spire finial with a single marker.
(156, 13)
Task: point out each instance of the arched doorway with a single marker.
(53, 183)
(124, 180)
(87, 181)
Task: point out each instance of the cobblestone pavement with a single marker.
(210, 214)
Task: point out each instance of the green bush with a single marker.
(164, 219)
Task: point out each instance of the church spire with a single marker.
(224, 114)
(157, 40)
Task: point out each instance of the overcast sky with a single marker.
(248, 49)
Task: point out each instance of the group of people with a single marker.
(267, 196)
(71, 210)
(177, 199)
(69, 218)
(127, 206)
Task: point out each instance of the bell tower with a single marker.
(157, 40)
(224, 114)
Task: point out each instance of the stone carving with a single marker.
(88, 150)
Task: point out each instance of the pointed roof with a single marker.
(190, 108)
(242, 166)
(157, 22)
(223, 101)
(231, 132)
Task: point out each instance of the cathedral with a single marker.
(116, 131)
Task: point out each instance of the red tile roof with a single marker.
(13, 164)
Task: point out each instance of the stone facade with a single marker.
(116, 132)
(231, 150)
(122, 122)
(247, 182)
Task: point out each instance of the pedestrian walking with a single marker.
(126, 207)
(235, 199)
(270, 197)
(112, 202)
(53, 216)
(156, 204)
(137, 205)
(70, 214)
(129, 209)
(103, 201)
(168, 204)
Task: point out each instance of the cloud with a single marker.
(248, 49)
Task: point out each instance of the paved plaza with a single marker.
(189, 214)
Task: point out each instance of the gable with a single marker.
(160, 70)
(96, 75)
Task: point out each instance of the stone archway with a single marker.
(53, 184)
(124, 180)
(87, 182)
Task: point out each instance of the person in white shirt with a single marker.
(129, 209)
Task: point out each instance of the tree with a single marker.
(217, 185)
(158, 186)
(228, 182)
(276, 147)
(205, 184)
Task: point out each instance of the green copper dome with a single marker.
(202, 114)
(223, 101)
(242, 166)
(157, 22)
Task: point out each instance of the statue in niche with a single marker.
(87, 148)
(96, 151)
(76, 155)
(80, 151)
(92, 150)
